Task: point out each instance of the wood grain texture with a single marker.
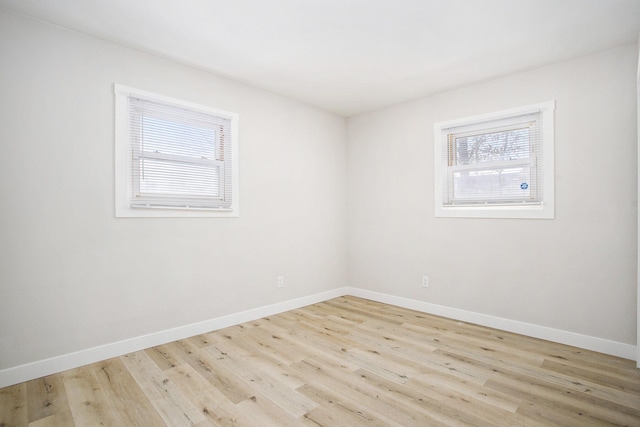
(343, 362)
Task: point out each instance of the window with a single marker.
(497, 165)
(174, 158)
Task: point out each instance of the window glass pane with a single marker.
(495, 184)
(510, 144)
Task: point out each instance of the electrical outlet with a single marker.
(425, 281)
(281, 281)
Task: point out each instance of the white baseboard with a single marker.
(613, 348)
(41, 368)
(61, 363)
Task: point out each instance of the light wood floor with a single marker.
(344, 362)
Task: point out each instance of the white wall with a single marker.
(72, 276)
(576, 273)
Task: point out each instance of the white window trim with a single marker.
(545, 210)
(123, 186)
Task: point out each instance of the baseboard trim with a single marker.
(41, 368)
(614, 348)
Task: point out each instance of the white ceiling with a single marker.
(351, 56)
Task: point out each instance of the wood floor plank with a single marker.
(88, 402)
(542, 392)
(261, 359)
(47, 397)
(120, 388)
(343, 362)
(350, 412)
(559, 380)
(423, 404)
(288, 399)
(164, 357)
(13, 405)
(265, 341)
(350, 308)
(457, 343)
(235, 389)
(213, 404)
(630, 384)
(358, 392)
(61, 418)
(262, 411)
(470, 390)
(169, 401)
(311, 341)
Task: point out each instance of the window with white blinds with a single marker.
(496, 165)
(179, 157)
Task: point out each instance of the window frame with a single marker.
(124, 185)
(544, 209)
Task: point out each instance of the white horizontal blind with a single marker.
(494, 162)
(180, 157)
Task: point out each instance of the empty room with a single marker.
(319, 213)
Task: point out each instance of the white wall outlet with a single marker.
(425, 281)
(281, 281)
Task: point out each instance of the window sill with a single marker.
(544, 211)
(157, 212)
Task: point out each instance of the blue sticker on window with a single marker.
(524, 186)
